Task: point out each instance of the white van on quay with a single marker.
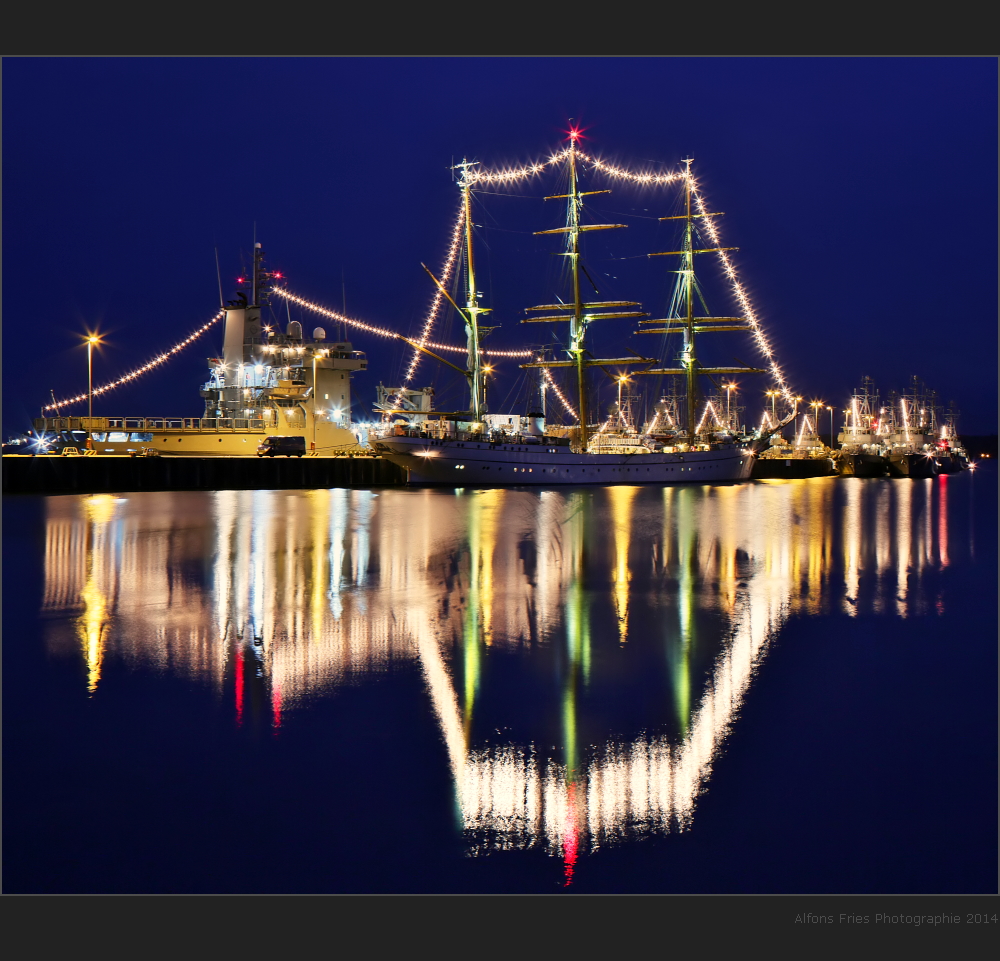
(275, 445)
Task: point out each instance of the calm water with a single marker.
(766, 687)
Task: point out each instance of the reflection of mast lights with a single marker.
(295, 569)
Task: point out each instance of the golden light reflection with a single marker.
(621, 507)
(904, 498)
(277, 597)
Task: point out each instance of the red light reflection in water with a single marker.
(942, 531)
(276, 707)
(571, 839)
(239, 687)
(943, 518)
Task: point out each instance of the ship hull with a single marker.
(912, 464)
(769, 468)
(194, 440)
(952, 463)
(431, 462)
(861, 465)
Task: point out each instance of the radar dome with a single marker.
(319, 334)
(294, 330)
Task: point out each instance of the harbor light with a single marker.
(773, 394)
(729, 388)
(325, 352)
(91, 340)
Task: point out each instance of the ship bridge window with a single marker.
(141, 435)
(117, 437)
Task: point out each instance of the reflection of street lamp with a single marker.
(315, 394)
(91, 340)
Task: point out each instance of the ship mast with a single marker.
(577, 325)
(580, 314)
(688, 358)
(690, 325)
(472, 308)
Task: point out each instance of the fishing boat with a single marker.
(264, 383)
(805, 456)
(793, 462)
(458, 448)
(950, 454)
(862, 450)
(912, 432)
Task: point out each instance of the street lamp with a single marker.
(814, 405)
(729, 387)
(772, 394)
(621, 380)
(91, 340)
(830, 409)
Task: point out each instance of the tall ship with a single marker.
(266, 382)
(459, 448)
(863, 440)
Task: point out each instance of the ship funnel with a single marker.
(232, 349)
(319, 334)
(294, 330)
(536, 424)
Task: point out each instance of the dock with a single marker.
(51, 474)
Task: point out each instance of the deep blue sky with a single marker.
(862, 194)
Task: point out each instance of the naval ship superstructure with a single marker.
(265, 382)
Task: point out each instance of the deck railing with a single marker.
(181, 424)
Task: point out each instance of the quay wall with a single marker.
(109, 473)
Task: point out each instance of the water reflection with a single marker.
(612, 635)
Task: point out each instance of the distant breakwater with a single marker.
(47, 474)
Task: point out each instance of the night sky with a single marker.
(862, 194)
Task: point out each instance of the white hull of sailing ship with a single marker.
(430, 461)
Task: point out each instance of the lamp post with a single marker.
(816, 405)
(621, 380)
(830, 409)
(315, 395)
(772, 394)
(91, 340)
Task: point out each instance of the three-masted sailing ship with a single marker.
(439, 453)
